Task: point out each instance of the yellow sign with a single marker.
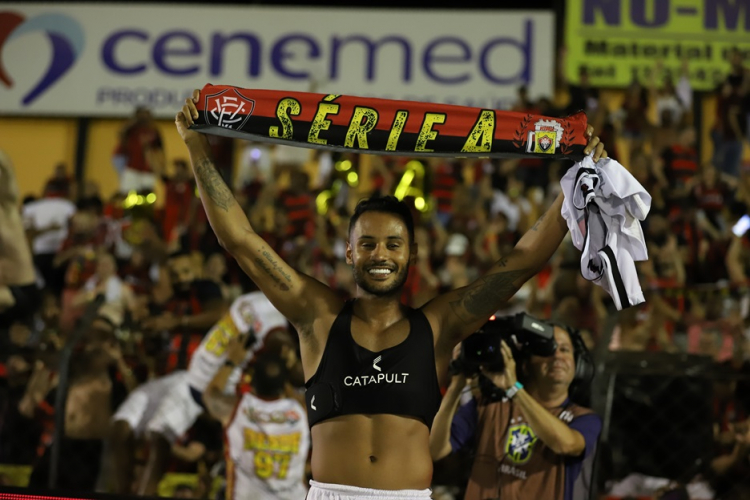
(619, 40)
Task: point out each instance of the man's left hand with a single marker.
(507, 378)
(594, 145)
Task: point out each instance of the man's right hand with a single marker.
(185, 118)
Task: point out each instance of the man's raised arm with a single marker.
(459, 313)
(295, 295)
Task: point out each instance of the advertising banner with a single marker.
(619, 40)
(103, 60)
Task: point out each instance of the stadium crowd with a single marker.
(165, 279)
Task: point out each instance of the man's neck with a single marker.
(377, 310)
(549, 395)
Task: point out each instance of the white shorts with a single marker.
(176, 412)
(328, 491)
(141, 405)
(135, 180)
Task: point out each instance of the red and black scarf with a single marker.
(384, 126)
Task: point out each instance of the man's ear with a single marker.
(413, 252)
(349, 259)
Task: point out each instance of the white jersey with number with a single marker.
(249, 312)
(267, 445)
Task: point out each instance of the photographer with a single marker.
(532, 441)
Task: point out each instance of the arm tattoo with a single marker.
(270, 272)
(213, 185)
(484, 297)
(538, 223)
(276, 266)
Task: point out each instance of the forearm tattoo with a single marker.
(274, 270)
(213, 185)
(483, 298)
(538, 223)
(276, 266)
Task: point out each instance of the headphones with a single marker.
(582, 356)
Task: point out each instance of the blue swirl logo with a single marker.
(65, 35)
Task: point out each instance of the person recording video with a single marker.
(532, 441)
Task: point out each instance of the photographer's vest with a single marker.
(511, 463)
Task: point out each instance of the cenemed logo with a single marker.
(63, 32)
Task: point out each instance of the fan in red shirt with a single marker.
(297, 203)
(680, 163)
(180, 195)
(141, 151)
(712, 195)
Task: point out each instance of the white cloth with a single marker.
(176, 411)
(249, 312)
(44, 213)
(267, 446)
(327, 491)
(141, 404)
(604, 206)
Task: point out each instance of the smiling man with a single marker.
(370, 440)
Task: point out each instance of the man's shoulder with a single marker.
(575, 411)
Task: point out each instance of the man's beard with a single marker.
(381, 289)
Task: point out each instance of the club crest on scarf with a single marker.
(545, 138)
(228, 109)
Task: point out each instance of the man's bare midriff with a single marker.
(386, 452)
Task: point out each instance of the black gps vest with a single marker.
(400, 380)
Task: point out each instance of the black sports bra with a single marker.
(400, 380)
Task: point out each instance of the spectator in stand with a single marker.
(298, 205)
(712, 195)
(446, 175)
(195, 305)
(180, 201)
(215, 270)
(60, 185)
(105, 281)
(19, 295)
(422, 284)
(631, 119)
(136, 273)
(582, 96)
(46, 221)
(676, 100)
(99, 381)
(679, 164)
(88, 235)
(139, 154)
(455, 272)
(650, 177)
(730, 127)
(739, 75)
